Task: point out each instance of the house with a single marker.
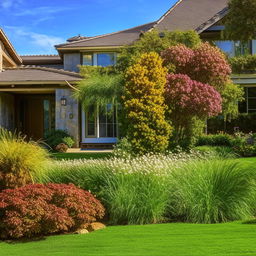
(34, 94)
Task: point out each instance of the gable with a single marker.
(195, 15)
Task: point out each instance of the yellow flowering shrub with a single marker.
(144, 106)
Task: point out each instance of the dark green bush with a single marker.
(55, 137)
(215, 140)
(245, 150)
(245, 123)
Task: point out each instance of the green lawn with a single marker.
(86, 155)
(248, 160)
(232, 239)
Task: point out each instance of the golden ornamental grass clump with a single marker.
(144, 106)
(20, 160)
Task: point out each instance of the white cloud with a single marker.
(44, 42)
(9, 3)
(43, 10)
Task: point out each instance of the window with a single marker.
(49, 114)
(242, 48)
(99, 59)
(102, 123)
(251, 99)
(105, 59)
(226, 46)
(236, 48)
(87, 59)
(91, 122)
(107, 121)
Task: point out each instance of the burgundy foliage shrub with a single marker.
(36, 210)
(206, 64)
(210, 65)
(187, 97)
(177, 58)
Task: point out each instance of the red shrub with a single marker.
(46, 209)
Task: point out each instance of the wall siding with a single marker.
(7, 111)
(71, 61)
(67, 117)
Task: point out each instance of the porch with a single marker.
(31, 101)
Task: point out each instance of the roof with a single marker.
(9, 47)
(117, 39)
(41, 59)
(37, 75)
(195, 15)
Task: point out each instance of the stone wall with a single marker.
(7, 111)
(67, 117)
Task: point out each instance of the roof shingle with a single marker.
(192, 15)
(37, 74)
(120, 38)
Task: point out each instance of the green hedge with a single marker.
(246, 123)
(243, 64)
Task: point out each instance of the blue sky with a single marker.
(34, 26)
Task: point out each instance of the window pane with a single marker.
(103, 130)
(251, 103)
(251, 92)
(91, 131)
(47, 116)
(242, 48)
(110, 129)
(226, 46)
(87, 60)
(106, 59)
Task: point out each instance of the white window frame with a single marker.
(97, 138)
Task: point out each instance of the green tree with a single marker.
(144, 105)
(153, 41)
(99, 87)
(240, 23)
(231, 95)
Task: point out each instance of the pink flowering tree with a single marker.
(193, 91)
(210, 65)
(206, 64)
(188, 99)
(177, 58)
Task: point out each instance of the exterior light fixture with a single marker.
(63, 101)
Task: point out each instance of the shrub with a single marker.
(189, 102)
(243, 64)
(20, 161)
(212, 192)
(133, 190)
(68, 141)
(62, 147)
(221, 152)
(245, 150)
(215, 140)
(137, 198)
(123, 149)
(246, 123)
(36, 210)
(144, 106)
(55, 137)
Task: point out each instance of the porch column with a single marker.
(67, 117)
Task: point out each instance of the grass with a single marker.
(87, 155)
(231, 239)
(212, 191)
